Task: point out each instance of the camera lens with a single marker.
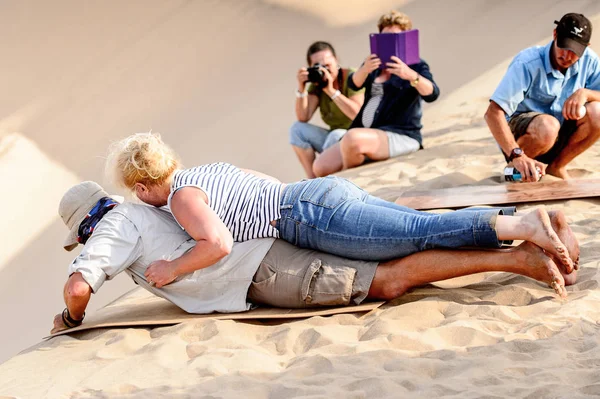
(315, 75)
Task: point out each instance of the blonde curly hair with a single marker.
(141, 158)
(394, 18)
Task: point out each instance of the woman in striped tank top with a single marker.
(220, 203)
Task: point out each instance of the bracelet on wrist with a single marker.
(335, 95)
(415, 82)
(301, 94)
(69, 321)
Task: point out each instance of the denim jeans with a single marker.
(333, 215)
(305, 135)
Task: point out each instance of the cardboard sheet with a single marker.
(505, 193)
(140, 308)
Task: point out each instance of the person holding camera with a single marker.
(324, 85)
(389, 122)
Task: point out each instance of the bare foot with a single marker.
(542, 234)
(558, 172)
(564, 232)
(534, 263)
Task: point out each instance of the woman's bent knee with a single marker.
(297, 137)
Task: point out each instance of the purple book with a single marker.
(404, 45)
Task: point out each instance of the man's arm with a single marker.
(77, 293)
(577, 100)
(113, 247)
(505, 101)
(496, 121)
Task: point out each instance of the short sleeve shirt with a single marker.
(532, 84)
(330, 112)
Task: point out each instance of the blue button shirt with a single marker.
(531, 84)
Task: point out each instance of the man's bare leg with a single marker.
(587, 133)
(394, 278)
(328, 162)
(540, 136)
(306, 156)
(360, 143)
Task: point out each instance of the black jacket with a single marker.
(400, 109)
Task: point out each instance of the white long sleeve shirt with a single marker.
(132, 236)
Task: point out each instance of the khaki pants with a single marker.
(291, 277)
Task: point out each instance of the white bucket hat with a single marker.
(77, 202)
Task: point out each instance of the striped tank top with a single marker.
(244, 202)
(368, 116)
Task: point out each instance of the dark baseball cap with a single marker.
(573, 32)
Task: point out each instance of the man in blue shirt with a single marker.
(546, 110)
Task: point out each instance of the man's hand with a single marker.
(527, 167)
(302, 77)
(574, 103)
(400, 69)
(161, 272)
(58, 324)
(371, 63)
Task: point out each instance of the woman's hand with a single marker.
(371, 63)
(161, 273)
(302, 77)
(400, 69)
(329, 90)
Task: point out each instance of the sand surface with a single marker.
(217, 78)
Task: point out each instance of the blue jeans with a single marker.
(333, 215)
(305, 135)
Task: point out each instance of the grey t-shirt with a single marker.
(132, 236)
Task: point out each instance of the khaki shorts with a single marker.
(291, 277)
(518, 126)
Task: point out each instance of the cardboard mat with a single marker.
(500, 194)
(140, 308)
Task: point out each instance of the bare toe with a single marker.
(545, 236)
(538, 265)
(535, 263)
(566, 235)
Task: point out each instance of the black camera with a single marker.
(315, 75)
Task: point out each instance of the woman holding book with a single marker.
(389, 123)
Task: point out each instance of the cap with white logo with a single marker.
(573, 32)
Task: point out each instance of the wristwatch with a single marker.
(515, 153)
(415, 82)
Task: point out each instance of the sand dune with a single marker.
(217, 78)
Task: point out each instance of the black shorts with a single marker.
(518, 125)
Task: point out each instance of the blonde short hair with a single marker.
(141, 158)
(394, 18)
